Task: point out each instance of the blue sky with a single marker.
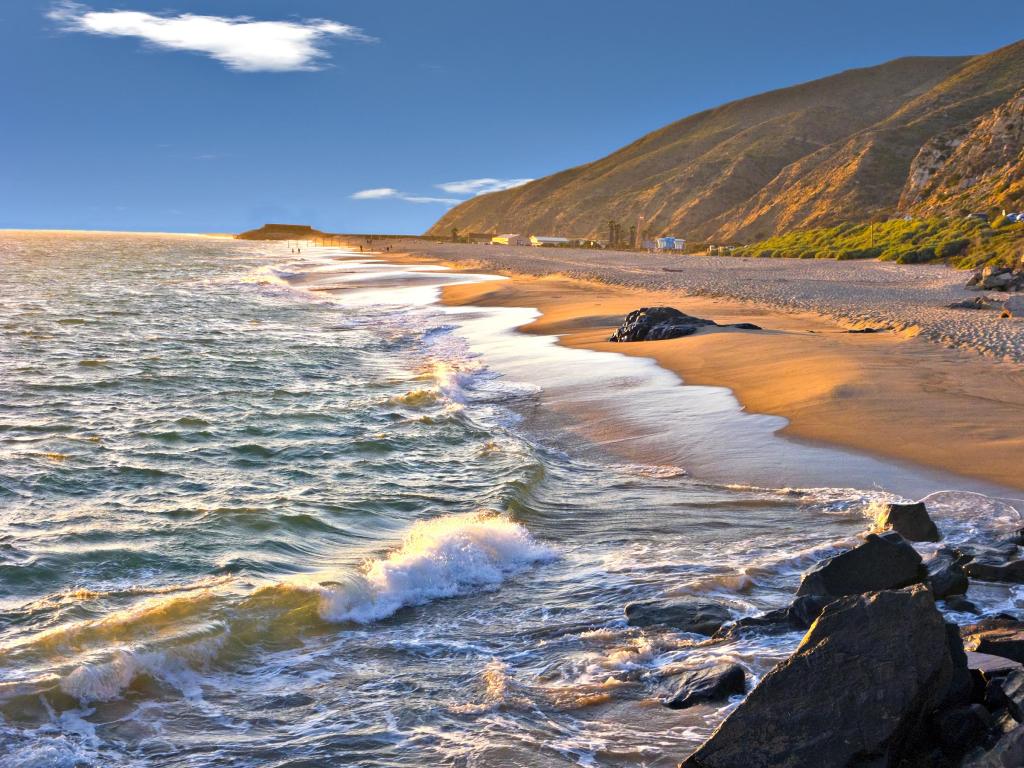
(373, 115)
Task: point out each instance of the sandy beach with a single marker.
(942, 389)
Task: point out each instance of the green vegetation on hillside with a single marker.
(962, 242)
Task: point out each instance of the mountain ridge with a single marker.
(835, 149)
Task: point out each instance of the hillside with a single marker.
(974, 166)
(281, 232)
(817, 154)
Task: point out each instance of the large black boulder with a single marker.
(713, 683)
(860, 690)
(659, 323)
(911, 521)
(686, 615)
(883, 561)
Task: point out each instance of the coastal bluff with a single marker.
(281, 232)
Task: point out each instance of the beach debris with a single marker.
(883, 561)
(911, 521)
(660, 323)
(866, 682)
(997, 636)
(946, 575)
(714, 683)
(686, 615)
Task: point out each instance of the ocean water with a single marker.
(267, 508)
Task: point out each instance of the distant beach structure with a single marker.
(510, 240)
(670, 244)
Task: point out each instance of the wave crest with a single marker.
(442, 557)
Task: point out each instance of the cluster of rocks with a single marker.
(992, 278)
(659, 323)
(1004, 279)
(1012, 306)
(880, 678)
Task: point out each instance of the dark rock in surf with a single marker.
(710, 684)
(996, 637)
(659, 323)
(859, 691)
(798, 615)
(1008, 752)
(685, 615)
(987, 569)
(961, 604)
(911, 521)
(946, 575)
(883, 561)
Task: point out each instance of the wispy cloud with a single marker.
(241, 43)
(375, 194)
(385, 193)
(481, 186)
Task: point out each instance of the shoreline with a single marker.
(888, 395)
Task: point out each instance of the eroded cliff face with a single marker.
(978, 166)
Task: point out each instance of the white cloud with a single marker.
(385, 193)
(375, 194)
(241, 43)
(481, 186)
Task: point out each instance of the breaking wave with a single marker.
(443, 557)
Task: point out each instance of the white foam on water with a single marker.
(443, 557)
(106, 681)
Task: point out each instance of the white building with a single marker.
(509, 240)
(540, 240)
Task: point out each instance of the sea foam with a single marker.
(438, 558)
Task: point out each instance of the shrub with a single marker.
(953, 247)
(916, 256)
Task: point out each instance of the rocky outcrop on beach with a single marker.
(659, 323)
(994, 278)
(859, 690)
(883, 561)
(880, 678)
(911, 521)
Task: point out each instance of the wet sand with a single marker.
(882, 393)
(891, 394)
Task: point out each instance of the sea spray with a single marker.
(438, 558)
